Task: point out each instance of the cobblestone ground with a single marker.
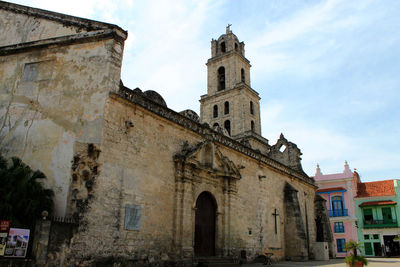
(372, 262)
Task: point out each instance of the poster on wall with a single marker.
(17, 243)
(4, 228)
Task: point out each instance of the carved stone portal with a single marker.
(198, 169)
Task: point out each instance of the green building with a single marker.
(378, 216)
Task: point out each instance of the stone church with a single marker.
(143, 182)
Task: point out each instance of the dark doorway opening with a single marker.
(205, 217)
(227, 125)
(377, 249)
(392, 247)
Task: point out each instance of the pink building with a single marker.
(339, 190)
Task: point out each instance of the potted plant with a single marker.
(354, 260)
(397, 238)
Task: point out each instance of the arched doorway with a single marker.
(205, 221)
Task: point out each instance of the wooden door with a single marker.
(204, 237)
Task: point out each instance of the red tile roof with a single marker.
(330, 189)
(379, 202)
(375, 189)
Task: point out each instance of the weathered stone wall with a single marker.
(52, 97)
(323, 226)
(138, 168)
(21, 28)
(20, 24)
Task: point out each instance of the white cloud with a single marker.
(331, 54)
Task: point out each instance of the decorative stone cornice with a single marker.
(237, 87)
(229, 53)
(63, 40)
(66, 20)
(136, 97)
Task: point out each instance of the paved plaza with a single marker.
(372, 262)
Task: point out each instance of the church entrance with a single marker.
(205, 218)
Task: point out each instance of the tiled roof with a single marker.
(330, 189)
(377, 203)
(375, 189)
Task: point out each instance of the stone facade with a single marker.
(54, 85)
(135, 175)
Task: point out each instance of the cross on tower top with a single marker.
(228, 28)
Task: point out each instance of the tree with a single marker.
(354, 259)
(22, 195)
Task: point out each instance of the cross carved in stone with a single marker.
(276, 226)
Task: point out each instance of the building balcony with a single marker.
(338, 213)
(380, 223)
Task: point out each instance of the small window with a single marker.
(376, 236)
(226, 108)
(242, 75)
(282, 148)
(227, 125)
(221, 78)
(340, 244)
(251, 108)
(223, 47)
(368, 218)
(236, 46)
(366, 236)
(252, 126)
(339, 227)
(215, 113)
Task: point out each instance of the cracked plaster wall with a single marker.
(21, 28)
(51, 98)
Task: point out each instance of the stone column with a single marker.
(41, 241)
(188, 213)
(224, 219)
(232, 195)
(178, 209)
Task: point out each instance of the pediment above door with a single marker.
(208, 157)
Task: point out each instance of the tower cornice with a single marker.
(227, 55)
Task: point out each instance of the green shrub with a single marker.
(22, 194)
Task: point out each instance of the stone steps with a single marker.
(216, 262)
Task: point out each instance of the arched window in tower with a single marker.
(242, 75)
(221, 78)
(236, 46)
(223, 47)
(226, 108)
(251, 108)
(227, 125)
(252, 126)
(215, 111)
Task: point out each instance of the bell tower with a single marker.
(230, 101)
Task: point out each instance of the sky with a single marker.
(328, 72)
